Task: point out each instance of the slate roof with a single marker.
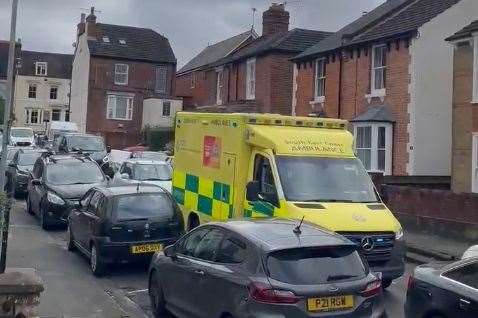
(466, 32)
(217, 51)
(337, 39)
(391, 19)
(293, 41)
(375, 114)
(141, 44)
(59, 65)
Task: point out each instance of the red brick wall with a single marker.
(281, 83)
(355, 85)
(141, 82)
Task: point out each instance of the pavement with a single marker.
(71, 291)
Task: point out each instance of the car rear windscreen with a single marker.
(311, 266)
(149, 205)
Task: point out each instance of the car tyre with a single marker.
(156, 296)
(70, 244)
(97, 265)
(44, 222)
(29, 206)
(386, 283)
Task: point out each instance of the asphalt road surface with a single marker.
(71, 291)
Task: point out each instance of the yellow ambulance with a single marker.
(263, 165)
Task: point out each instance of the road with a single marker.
(71, 291)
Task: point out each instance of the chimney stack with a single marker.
(275, 20)
(81, 26)
(91, 23)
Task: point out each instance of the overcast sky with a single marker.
(50, 25)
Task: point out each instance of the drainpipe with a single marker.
(340, 85)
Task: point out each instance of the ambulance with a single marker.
(263, 165)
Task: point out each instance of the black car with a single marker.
(93, 145)
(444, 290)
(56, 184)
(263, 268)
(123, 223)
(19, 169)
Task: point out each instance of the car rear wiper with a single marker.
(339, 277)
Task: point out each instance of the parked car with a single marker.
(471, 252)
(22, 136)
(263, 268)
(148, 171)
(443, 290)
(123, 223)
(19, 169)
(56, 184)
(90, 144)
(151, 155)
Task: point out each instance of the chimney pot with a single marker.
(275, 20)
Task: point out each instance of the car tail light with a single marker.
(266, 294)
(372, 289)
(411, 282)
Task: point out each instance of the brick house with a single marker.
(464, 171)
(389, 72)
(115, 70)
(257, 75)
(42, 89)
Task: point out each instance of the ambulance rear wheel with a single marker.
(193, 221)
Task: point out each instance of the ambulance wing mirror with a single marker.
(252, 191)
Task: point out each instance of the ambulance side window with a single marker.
(263, 174)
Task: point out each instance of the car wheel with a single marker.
(70, 245)
(44, 222)
(386, 283)
(29, 206)
(156, 296)
(96, 264)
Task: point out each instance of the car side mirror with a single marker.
(252, 191)
(124, 176)
(169, 251)
(36, 182)
(108, 149)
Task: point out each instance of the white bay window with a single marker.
(373, 144)
(120, 106)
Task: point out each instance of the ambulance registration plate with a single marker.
(330, 303)
(146, 248)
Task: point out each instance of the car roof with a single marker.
(278, 234)
(31, 150)
(117, 190)
(67, 158)
(141, 161)
(78, 134)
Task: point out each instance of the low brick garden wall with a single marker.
(440, 211)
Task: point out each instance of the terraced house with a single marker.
(247, 73)
(390, 73)
(123, 79)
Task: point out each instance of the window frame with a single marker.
(28, 115)
(193, 79)
(163, 114)
(323, 78)
(374, 145)
(374, 90)
(475, 69)
(129, 106)
(474, 163)
(157, 80)
(274, 201)
(251, 79)
(117, 65)
(55, 111)
(219, 86)
(34, 91)
(55, 90)
(40, 66)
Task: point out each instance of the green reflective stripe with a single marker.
(205, 205)
(263, 207)
(178, 195)
(226, 193)
(192, 183)
(231, 211)
(217, 191)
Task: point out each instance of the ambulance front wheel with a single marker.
(193, 221)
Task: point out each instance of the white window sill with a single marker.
(474, 101)
(318, 100)
(121, 84)
(380, 93)
(122, 119)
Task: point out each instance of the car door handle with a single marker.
(464, 304)
(200, 272)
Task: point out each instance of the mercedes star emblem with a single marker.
(367, 243)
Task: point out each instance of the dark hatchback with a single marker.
(19, 169)
(56, 184)
(263, 268)
(444, 290)
(123, 223)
